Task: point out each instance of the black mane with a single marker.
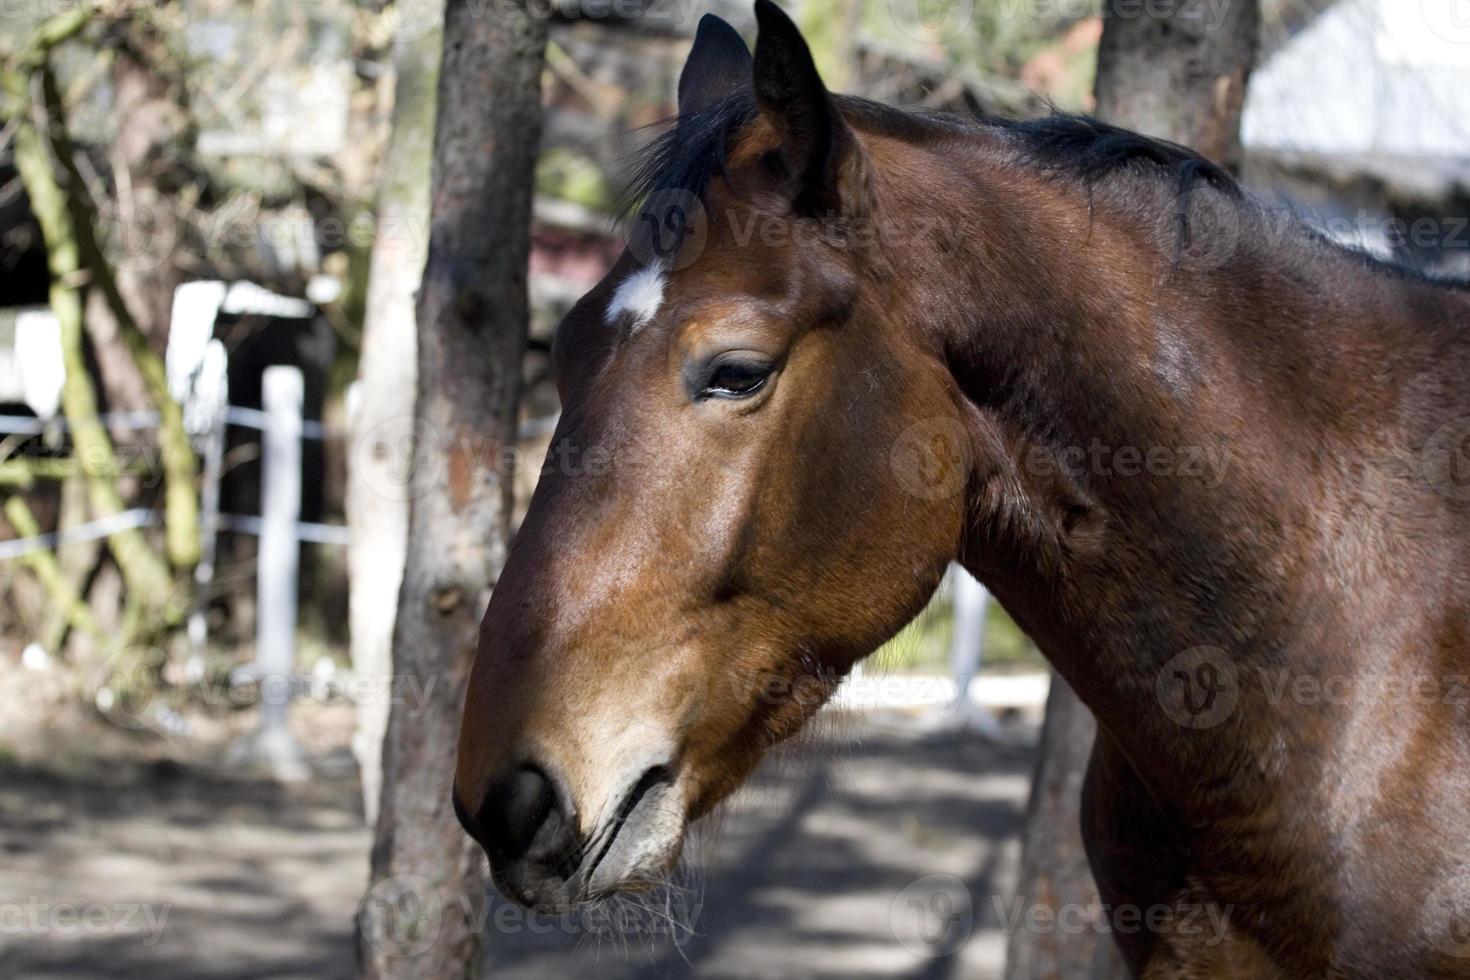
(689, 154)
(692, 152)
(1093, 150)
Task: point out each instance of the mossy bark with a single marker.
(43, 564)
(147, 575)
(176, 453)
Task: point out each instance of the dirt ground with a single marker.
(870, 851)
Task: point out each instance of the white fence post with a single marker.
(966, 651)
(282, 394)
(967, 647)
(214, 399)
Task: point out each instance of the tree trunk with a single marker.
(1178, 70)
(41, 151)
(472, 316)
(148, 123)
(1054, 870)
(1175, 70)
(129, 327)
(382, 419)
(152, 131)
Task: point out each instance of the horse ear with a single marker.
(820, 151)
(718, 65)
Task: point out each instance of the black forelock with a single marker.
(688, 155)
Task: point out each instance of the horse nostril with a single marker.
(521, 810)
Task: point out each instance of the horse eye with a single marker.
(735, 379)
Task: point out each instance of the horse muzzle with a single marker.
(527, 823)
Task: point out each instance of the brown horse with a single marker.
(1217, 467)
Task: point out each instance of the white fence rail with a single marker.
(312, 532)
(91, 531)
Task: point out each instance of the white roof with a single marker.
(31, 371)
(1377, 78)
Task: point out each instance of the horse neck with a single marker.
(1158, 448)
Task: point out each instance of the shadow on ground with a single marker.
(823, 868)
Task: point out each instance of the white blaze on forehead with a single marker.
(639, 295)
